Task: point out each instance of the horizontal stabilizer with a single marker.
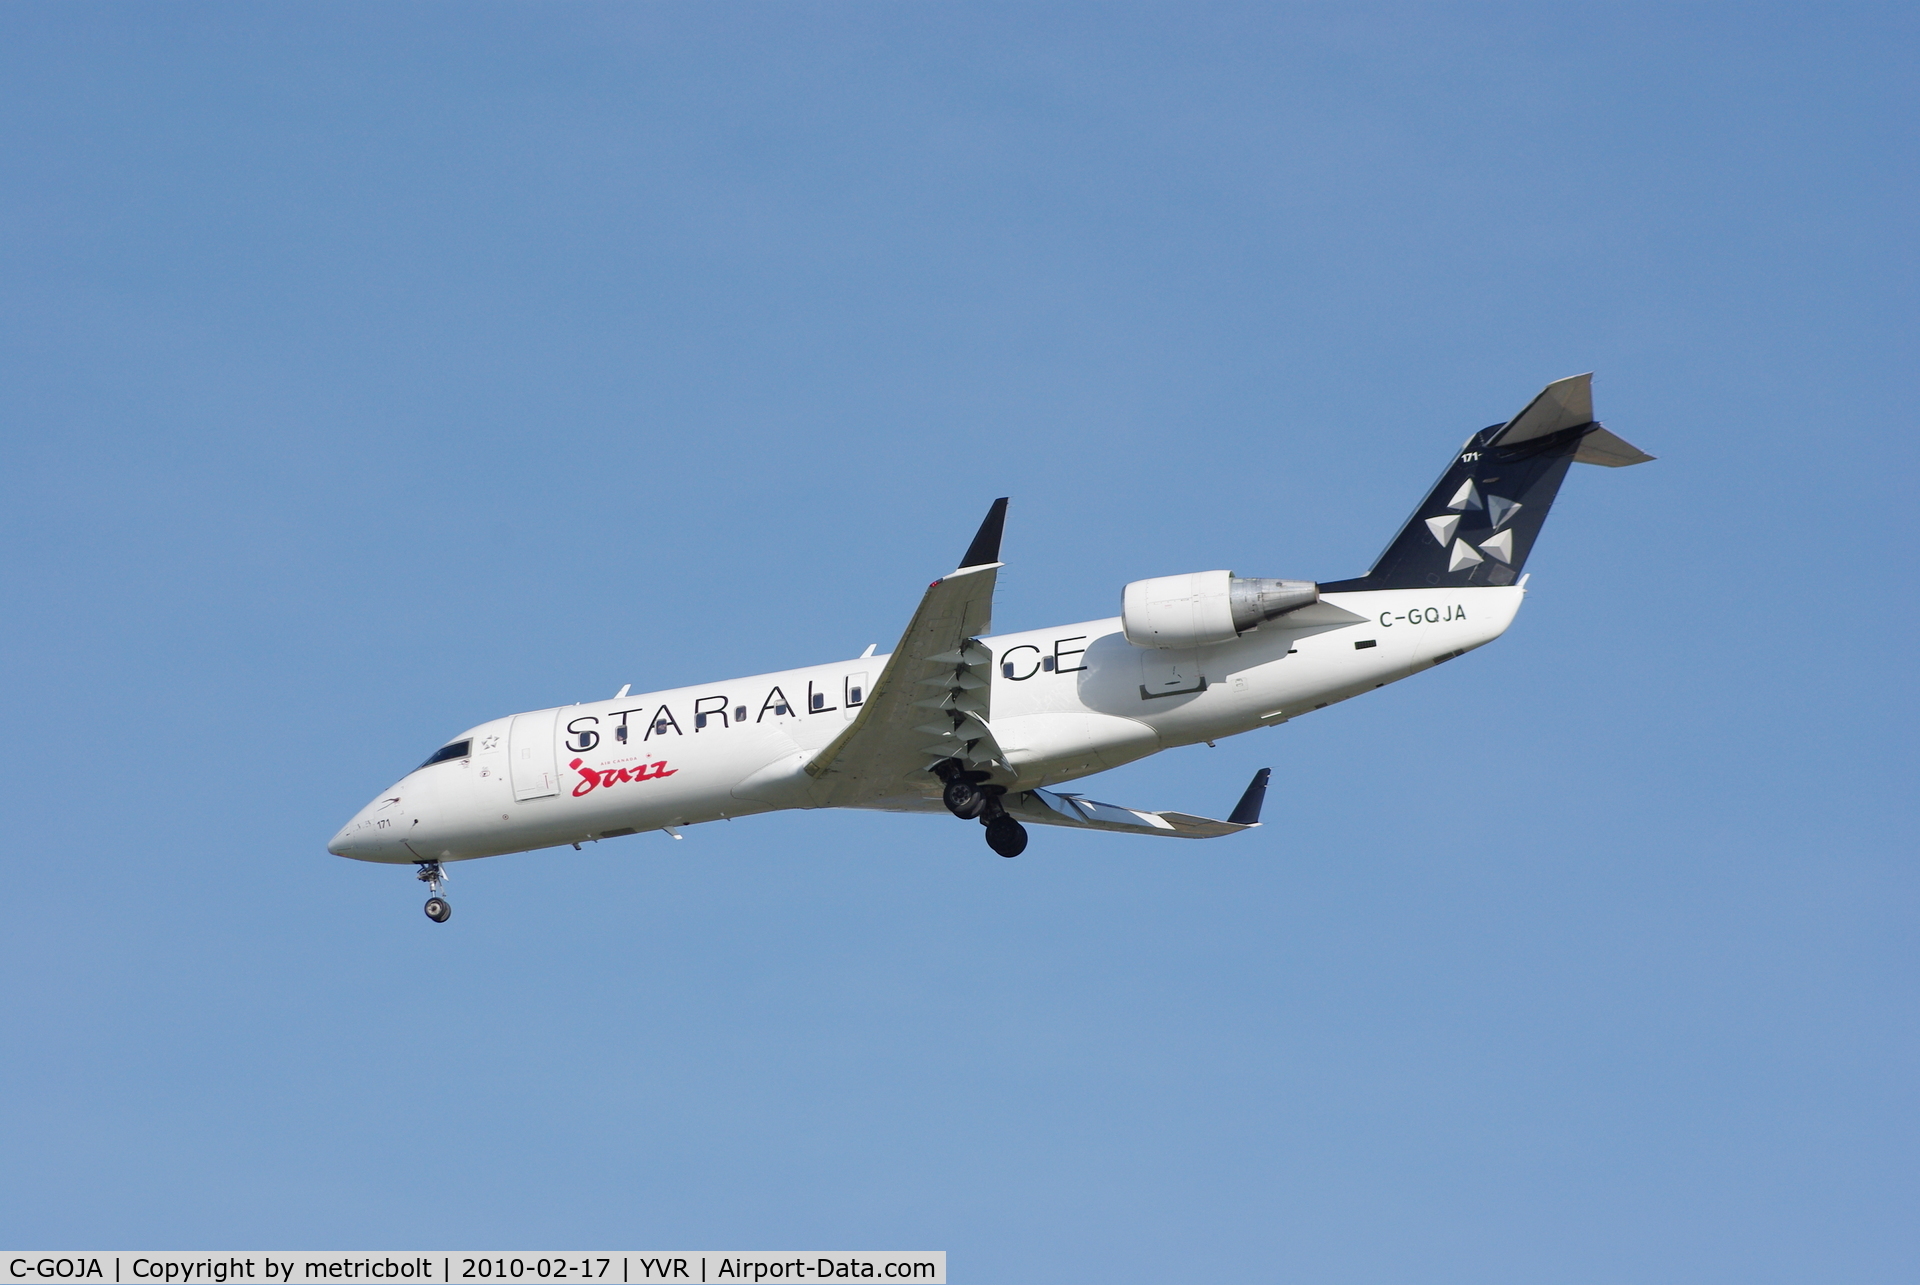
(1603, 448)
(1568, 403)
(1565, 403)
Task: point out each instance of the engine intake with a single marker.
(1206, 607)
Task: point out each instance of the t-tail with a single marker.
(1478, 524)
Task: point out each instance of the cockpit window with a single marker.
(457, 750)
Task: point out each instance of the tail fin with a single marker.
(1478, 524)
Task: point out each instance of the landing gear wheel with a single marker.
(1006, 836)
(963, 798)
(434, 875)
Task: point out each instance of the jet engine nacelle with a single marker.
(1206, 607)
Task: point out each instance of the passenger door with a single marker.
(530, 753)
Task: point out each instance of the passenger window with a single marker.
(457, 750)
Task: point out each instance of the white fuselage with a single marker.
(1066, 702)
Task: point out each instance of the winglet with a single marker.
(986, 542)
(1247, 810)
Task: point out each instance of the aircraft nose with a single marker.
(369, 836)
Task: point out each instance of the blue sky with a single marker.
(373, 370)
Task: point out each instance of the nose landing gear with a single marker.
(434, 876)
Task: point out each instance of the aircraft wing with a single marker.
(931, 701)
(1045, 807)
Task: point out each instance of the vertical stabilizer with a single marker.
(1480, 521)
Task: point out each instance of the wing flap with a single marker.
(1048, 807)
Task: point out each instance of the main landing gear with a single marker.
(1006, 836)
(969, 796)
(434, 876)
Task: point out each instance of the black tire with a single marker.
(438, 910)
(963, 798)
(1006, 836)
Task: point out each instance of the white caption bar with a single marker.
(468, 1267)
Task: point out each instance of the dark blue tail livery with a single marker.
(1478, 524)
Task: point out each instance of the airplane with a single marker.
(987, 727)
